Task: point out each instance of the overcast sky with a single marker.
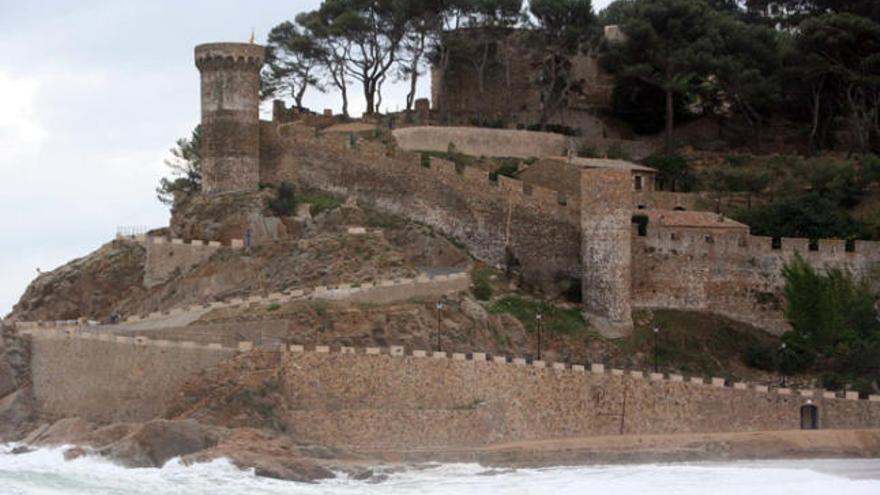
(92, 95)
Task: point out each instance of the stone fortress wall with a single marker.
(106, 378)
(495, 220)
(739, 276)
(230, 77)
(554, 241)
(541, 228)
(482, 142)
(388, 398)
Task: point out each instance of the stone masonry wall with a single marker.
(489, 218)
(482, 142)
(733, 275)
(385, 402)
(230, 87)
(606, 202)
(105, 378)
(164, 259)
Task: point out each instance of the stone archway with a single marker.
(809, 417)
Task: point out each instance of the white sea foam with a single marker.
(45, 472)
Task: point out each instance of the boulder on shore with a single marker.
(156, 442)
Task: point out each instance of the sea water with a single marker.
(45, 471)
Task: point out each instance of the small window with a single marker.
(710, 239)
(673, 236)
(638, 182)
(641, 207)
(813, 245)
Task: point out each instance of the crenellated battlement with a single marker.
(712, 242)
(194, 243)
(413, 356)
(467, 178)
(229, 56)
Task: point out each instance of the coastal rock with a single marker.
(156, 442)
(7, 379)
(16, 414)
(67, 430)
(269, 456)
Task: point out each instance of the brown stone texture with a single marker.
(105, 381)
(606, 202)
(508, 93)
(481, 142)
(277, 156)
(166, 260)
(488, 217)
(230, 116)
(384, 402)
(730, 273)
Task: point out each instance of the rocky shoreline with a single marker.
(154, 443)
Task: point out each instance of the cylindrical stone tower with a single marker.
(230, 116)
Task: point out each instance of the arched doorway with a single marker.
(809, 417)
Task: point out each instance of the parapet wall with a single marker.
(365, 399)
(734, 275)
(479, 141)
(388, 398)
(105, 378)
(498, 221)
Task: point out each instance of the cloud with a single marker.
(18, 120)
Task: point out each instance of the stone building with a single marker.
(230, 116)
(562, 222)
(507, 94)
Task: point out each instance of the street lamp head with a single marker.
(538, 316)
(656, 329)
(439, 305)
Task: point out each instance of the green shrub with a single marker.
(587, 151)
(832, 381)
(284, 202)
(320, 203)
(762, 357)
(616, 152)
(554, 319)
(863, 387)
(482, 283)
(482, 291)
(673, 172)
(507, 170)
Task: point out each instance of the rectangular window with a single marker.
(638, 183)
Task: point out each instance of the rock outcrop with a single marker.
(17, 410)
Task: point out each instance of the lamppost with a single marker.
(439, 309)
(781, 366)
(656, 333)
(538, 319)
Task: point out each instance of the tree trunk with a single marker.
(298, 96)
(343, 89)
(670, 120)
(411, 96)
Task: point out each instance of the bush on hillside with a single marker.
(284, 202)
